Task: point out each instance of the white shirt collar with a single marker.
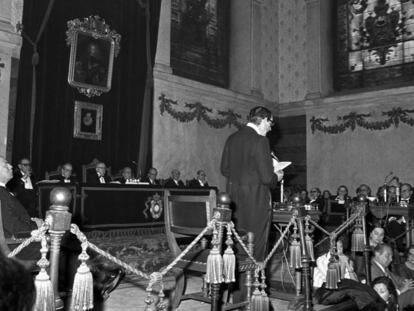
(380, 266)
(2, 185)
(255, 127)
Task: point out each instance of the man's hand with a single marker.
(280, 175)
(407, 285)
(39, 222)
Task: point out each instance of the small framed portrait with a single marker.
(92, 50)
(87, 121)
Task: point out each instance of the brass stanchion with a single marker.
(60, 198)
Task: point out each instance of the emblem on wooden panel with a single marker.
(153, 206)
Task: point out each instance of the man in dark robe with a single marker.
(247, 164)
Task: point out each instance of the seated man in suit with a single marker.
(315, 198)
(17, 222)
(174, 181)
(99, 176)
(200, 181)
(151, 177)
(66, 176)
(379, 267)
(363, 190)
(126, 176)
(22, 185)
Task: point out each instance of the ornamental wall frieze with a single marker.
(197, 111)
(353, 120)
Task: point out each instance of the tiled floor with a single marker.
(129, 297)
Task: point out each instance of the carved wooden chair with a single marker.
(187, 216)
(86, 168)
(53, 174)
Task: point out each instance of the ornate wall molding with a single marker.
(199, 112)
(353, 120)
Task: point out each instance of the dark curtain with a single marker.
(53, 141)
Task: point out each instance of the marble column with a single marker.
(313, 16)
(10, 44)
(255, 48)
(163, 53)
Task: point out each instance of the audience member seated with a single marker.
(174, 181)
(99, 176)
(200, 181)
(303, 194)
(363, 190)
(151, 177)
(376, 236)
(406, 195)
(342, 196)
(17, 223)
(326, 197)
(391, 195)
(66, 176)
(386, 290)
(406, 269)
(22, 185)
(17, 290)
(347, 269)
(126, 177)
(315, 198)
(380, 267)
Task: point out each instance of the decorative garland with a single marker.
(354, 120)
(199, 111)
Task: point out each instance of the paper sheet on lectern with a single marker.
(279, 166)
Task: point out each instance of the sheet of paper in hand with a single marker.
(279, 166)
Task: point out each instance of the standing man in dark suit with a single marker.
(200, 181)
(247, 164)
(174, 181)
(99, 176)
(23, 186)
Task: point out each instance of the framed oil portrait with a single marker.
(200, 40)
(93, 47)
(87, 121)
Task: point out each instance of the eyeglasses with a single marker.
(25, 164)
(101, 167)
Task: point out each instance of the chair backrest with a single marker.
(53, 174)
(86, 168)
(188, 214)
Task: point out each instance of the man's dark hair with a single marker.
(380, 248)
(17, 291)
(258, 113)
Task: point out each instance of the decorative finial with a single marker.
(223, 198)
(60, 196)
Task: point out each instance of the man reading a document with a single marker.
(247, 164)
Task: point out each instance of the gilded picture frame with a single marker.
(87, 121)
(93, 47)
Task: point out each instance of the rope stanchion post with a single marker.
(60, 198)
(222, 214)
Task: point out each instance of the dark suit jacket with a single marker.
(169, 183)
(93, 178)
(194, 183)
(16, 220)
(248, 166)
(27, 197)
(155, 183)
(61, 179)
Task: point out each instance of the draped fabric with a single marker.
(53, 141)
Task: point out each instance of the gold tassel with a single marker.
(45, 298)
(82, 292)
(295, 255)
(309, 247)
(265, 298)
(358, 244)
(214, 271)
(256, 302)
(229, 259)
(332, 275)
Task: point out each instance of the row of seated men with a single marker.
(392, 276)
(16, 222)
(319, 199)
(23, 183)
